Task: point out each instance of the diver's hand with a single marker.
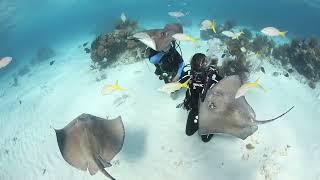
(175, 78)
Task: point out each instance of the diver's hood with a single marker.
(162, 38)
(204, 67)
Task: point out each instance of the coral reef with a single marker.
(214, 45)
(235, 45)
(262, 45)
(247, 33)
(303, 55)
(237, 48)
(128, 25)
(229, 24)
(235, 67)
(206, 34)
(110, 46)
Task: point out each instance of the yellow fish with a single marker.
(272, 31)
(111, 87)
(245, 87)
(184, 37)
(173, 86)
(207, 24)
(237, 35)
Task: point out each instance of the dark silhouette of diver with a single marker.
(202, 76)
(169, 63)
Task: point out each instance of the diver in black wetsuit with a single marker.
(202, 76)
(169, 64)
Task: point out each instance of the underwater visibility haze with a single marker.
(179, 89)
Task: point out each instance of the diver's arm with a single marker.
(179, 72)
(155, 59)
(181, 66)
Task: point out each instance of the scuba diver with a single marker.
(162, 51)
(202, 76)
(169, 64)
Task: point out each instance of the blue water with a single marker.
(40, 23)
(27, 25)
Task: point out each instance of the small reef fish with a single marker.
(173, 86)
(245, 87)
(123, 17)
(243, 49)
(237, 35)
(207, 24)
(111, 87)
(228, 33)
(145, 39)
(184, 37)
(5, 61)
(176, 14)
(272, 31)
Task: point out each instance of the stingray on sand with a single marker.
(222, 113)
(90, 143)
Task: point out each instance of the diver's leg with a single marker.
(206, 138)
(192, 124)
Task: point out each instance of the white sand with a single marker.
(156, 146)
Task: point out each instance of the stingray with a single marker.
(90, 143)
(220, 112)
(162, 37)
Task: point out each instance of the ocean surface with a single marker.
(49, 94)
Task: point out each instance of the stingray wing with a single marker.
(112, 139)
(145, 39)
(222, 113)
(70, 141)
(90, 142)
(106, 138)
(161, 38)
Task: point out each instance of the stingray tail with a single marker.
(270, 120)
(107, 174)
(101, 167)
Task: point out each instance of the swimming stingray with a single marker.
(162, 37)
(90, 142)
(222, 113)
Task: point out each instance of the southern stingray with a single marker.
(90, 143)
(220, 112)
(159, 39)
